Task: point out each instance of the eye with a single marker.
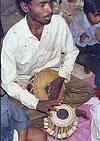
(41, 4)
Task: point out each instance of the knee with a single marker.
(42, 136)
(88, 91)
(36, 134)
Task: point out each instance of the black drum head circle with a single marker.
(62, 114)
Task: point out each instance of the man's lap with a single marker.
(77, 92)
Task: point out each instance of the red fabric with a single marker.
(97, 92)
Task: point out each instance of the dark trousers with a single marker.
(89, 57)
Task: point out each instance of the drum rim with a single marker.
(67, 130)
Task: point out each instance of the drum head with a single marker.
(63, 122)
(64, 116)
(43, 79)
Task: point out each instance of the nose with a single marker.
(49, 8)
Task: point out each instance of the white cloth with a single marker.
(95, 124)
(15, 137)
(23, 54)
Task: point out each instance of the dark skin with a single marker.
(39, 13)
(32, 134)
(83, 37)
(55, 88)
(46, 106)
(22, 135)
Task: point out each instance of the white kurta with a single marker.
(23, 54)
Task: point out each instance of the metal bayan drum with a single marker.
(39, 81)
(62, 123)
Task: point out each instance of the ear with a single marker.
(24, 7)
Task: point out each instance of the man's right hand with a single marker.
(46, 106)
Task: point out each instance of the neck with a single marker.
(35, 27)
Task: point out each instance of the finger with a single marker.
(48, 113)
(53, 94)
(56, 101)
(53, 109)
(55, 104)
(52, 97)
(61, 99)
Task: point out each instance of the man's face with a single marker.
(93, 18)
(40, 11)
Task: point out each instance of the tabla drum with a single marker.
(62, 123)
(39, 81)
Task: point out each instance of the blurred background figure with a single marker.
(83, 28)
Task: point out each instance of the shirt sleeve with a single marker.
(8, 73)
(76, 30)
(20, 118)
(70, 52)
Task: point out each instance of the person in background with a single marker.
(83, 29)
(13, 118)
(35, 43)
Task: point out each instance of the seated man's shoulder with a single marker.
(16, 27)
(58, 19)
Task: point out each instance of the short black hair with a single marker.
(92, 6)
(18, 5)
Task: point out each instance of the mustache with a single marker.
(49, 15)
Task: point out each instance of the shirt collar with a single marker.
(27, 33)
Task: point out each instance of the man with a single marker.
(36, 43)
(83, 28)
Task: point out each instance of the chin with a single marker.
(47, 22)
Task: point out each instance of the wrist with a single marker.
(61, 79)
